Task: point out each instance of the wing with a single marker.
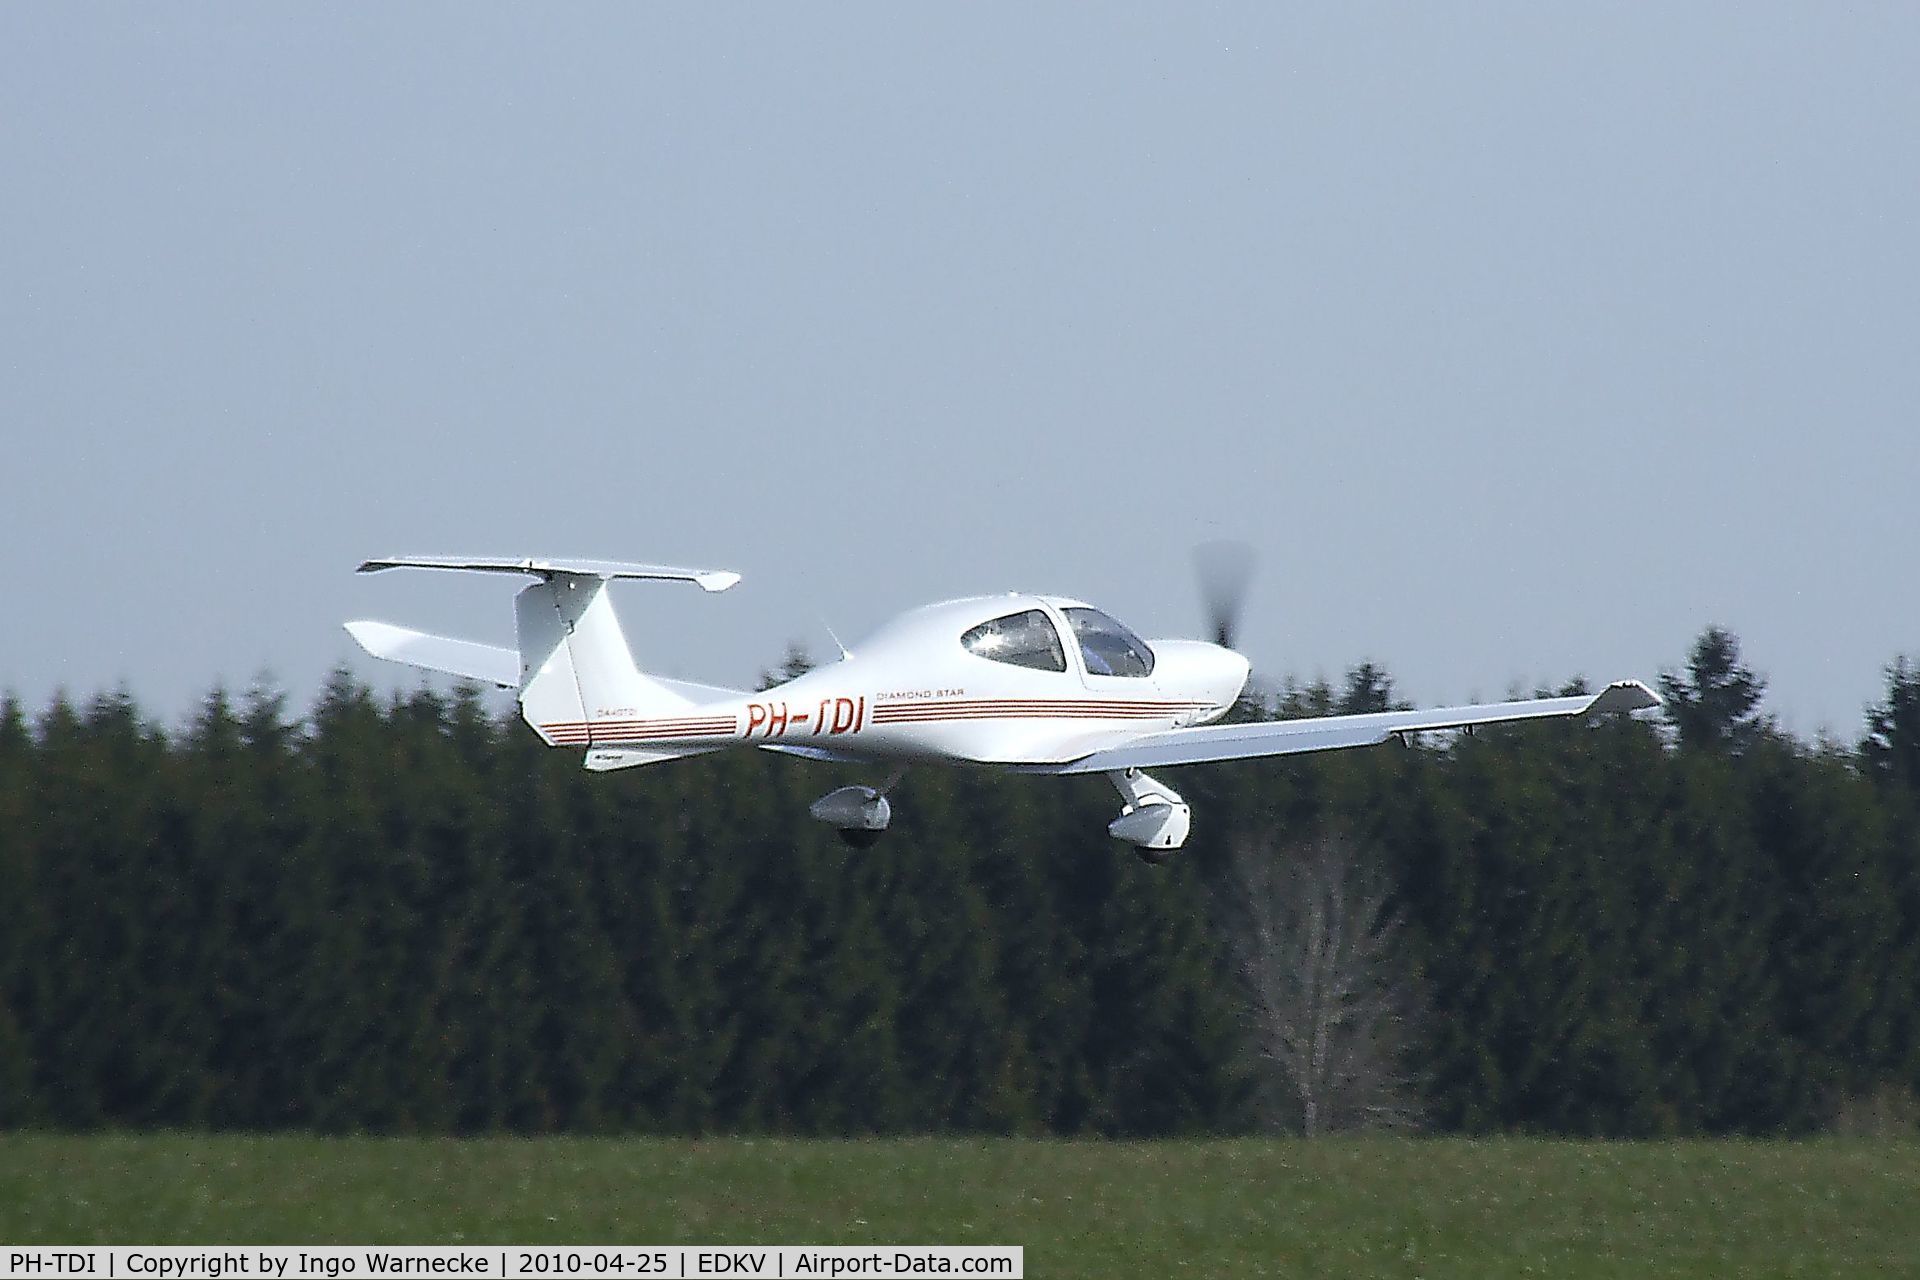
(1330, 733)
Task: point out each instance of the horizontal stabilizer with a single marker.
(706, 579)
(482, 662)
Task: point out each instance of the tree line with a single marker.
(404, 914)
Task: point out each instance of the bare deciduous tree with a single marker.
(1331, 997)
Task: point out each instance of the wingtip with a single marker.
(365, 633)
(1626, 695)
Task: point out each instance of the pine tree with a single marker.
(1714, 705)
(1839, 927)
(27, 926)
(795, 664)
(1891, 749)
(1369, 688)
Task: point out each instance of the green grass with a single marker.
(1433, 1207)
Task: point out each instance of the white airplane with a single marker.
(1026, 683)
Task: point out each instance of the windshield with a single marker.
(1107, 647)
(1021, 639)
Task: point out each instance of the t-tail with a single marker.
(576, 679)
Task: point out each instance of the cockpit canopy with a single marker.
(1107, 647)
(1029, 639)
(1025, 639)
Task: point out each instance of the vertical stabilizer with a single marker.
(575, 667)
(578, 685)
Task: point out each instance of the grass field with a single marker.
(1435, 1207)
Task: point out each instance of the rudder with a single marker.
(575, 667)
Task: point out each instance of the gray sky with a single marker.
(1522, 341)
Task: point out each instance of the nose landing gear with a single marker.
(1155, 820)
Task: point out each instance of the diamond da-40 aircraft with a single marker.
(1034, 684)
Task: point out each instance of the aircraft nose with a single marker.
(1236, 670)
(1203, 672)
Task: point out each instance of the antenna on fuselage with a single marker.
(831, 635)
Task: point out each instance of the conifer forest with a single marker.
(404, 915)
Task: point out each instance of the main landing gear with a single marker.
(859, 814)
